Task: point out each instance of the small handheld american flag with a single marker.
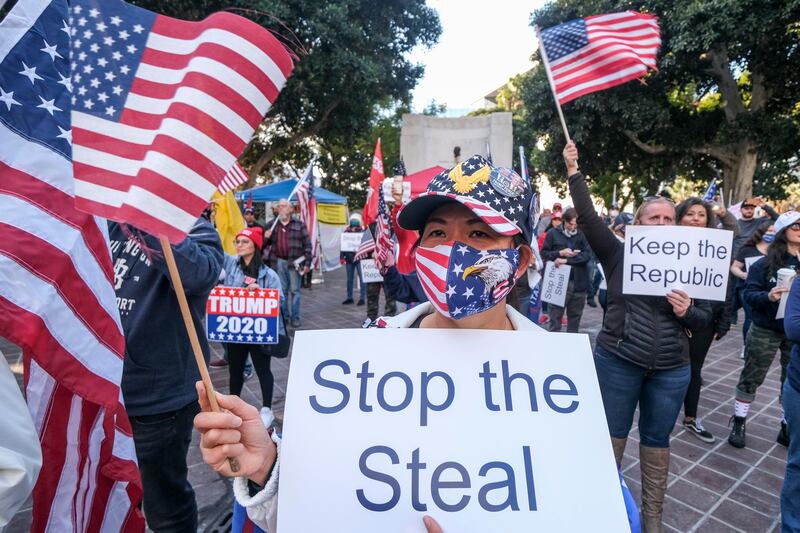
(307, 204)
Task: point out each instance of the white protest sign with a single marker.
(472, 427)
(350, 241)
(370, 272)
(661, 258)
(748, 261)
(554, 286)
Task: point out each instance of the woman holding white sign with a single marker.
(468, 259)
(642, 351)
(766, 281)
(694, 212)
(248, 270)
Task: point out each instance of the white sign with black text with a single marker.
(554, 283)
(370, 272)
(483, 430)
(659, 259)
(350, 241)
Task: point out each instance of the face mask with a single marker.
(613, 213)
(354, 224)
(570, 232)
(461, 281)
(768, 237)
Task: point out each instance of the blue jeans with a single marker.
(790, 496)
(352, 268)
(290, 283)
(658, 393)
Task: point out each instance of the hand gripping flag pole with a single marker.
(546, 63)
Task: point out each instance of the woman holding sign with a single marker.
(642, 351)
(766, 281)
(468, 259)
(248, 270)
(696, 213)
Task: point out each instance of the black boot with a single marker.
(783, 435)
(736, 438)
(591, 302)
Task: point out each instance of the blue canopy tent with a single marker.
(282, 189)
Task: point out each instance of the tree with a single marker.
(721, 101)
(352, 63)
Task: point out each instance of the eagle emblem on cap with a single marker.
(462, 183)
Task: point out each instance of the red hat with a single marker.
(556, 214)
(557, 206)
(255, 234)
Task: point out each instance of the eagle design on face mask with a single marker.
(463, 184)
(496, 272)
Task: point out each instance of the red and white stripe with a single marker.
(432, 265)
(235, 177)
(308, 214)
(58, 304)
(498, 222)
(622, 47)
(198, 94)
(366, 247)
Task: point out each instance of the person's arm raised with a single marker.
(600, 238)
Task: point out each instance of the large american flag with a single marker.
(162, 108)
(601, 51)
(307, 204)
(57, 297)
(235, 177)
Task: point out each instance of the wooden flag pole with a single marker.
(546, 62)
(193, 339)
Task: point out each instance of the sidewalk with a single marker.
(712, 488)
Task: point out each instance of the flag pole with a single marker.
(175, 276)
(546, 62)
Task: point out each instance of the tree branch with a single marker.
(723, 155)
(759, 93)
(721, 70)
(653, 149)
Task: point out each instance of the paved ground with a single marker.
(712, 488)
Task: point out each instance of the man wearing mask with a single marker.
(567, 245)
(291, 249)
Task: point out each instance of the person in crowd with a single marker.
(567, 245)
(251, 221)
(248, 270)
(446, 225)
(374, 290)
(159, 370)
(353, 267)
(790, 495)
(642, 351)
(755, 247)
(766, 336)
(544, 221)
(555, 222)
(291, 249)
(696, 213)
(748, 223)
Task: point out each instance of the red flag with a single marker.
(249, 201)
(376, 177)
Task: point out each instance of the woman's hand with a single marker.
(253, 287)
(567, 252)
(570, 154)
(237, 432)
(560, 261)
(775, 294)
(431, 525)
(679, 301)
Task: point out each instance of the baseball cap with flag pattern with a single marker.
(499, 196)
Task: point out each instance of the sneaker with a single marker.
(741, 355)
(543, 319)
(360, 302)
(783, 435)
(563, 321)
(295, 323)
(348, 301)
(695, 428)
(218, 363)
(267, 417)
(591, 302)
(737, 436)
(248, 373)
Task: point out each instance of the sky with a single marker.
(483, 43)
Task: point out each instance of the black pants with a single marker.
(699, 343)
(162, 442)
(573, 303)
(237, 356)
(373, 301)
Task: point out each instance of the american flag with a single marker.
(57, 297)
(161, 108)
(384, 244)
(711, 191)
(235, 177)
(366, 247)
(601, 51)
(443, 272)
(308, 211)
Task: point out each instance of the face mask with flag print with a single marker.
(461, 281)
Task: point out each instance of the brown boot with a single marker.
(619, 449)
(655, 472)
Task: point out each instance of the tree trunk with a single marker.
(738, 174)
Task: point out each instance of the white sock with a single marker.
(741, 408)
(783, 415)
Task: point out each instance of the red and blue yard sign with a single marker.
(242, 316)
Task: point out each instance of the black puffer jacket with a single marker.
(641, 329)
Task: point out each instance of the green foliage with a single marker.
(722, 92)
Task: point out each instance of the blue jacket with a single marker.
(404, 288)
(159, 371)
(791, 323)
(267, 279)
(756, 293)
